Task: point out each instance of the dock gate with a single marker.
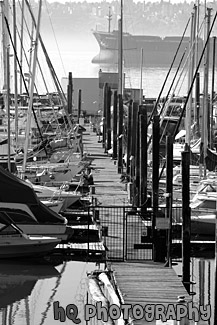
(127, 234)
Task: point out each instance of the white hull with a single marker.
(14, 246)
(55, 230)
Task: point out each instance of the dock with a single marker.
(139, 279)
(149, 283)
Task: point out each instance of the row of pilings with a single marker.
(125, 131)
(135, 151)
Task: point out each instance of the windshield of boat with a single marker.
(16, 216)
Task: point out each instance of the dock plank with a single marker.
(148, 283)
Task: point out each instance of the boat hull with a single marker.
(157, 51)
(35, 246)
(55, 230)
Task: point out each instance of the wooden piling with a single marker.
(133, 150)
(143, 158)
(120, 134)
(108, 119)
(69, 93)
(105, 93)
(115, 110)
(129, 133)
(169, 193)
(155, 179)
(137, 158)
(79, 104)
(186, 220)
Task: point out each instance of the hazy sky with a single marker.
(172, 1)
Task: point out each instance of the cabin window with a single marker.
(16, 216)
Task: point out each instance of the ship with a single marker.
(157, 51)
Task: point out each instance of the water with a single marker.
(28, 291)
(77, 59)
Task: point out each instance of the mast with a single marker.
(109, 20)
(120, 52)
(28, 124)
(6, 84)
(190, 77)
(204, 133)
(15, 75)
(21, 46)
(212, 92)
(141, 90)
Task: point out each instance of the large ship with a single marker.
(157, 51)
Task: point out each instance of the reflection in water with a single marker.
(202, 289)
(27, 291)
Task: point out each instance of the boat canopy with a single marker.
(15, 190)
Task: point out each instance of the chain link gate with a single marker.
(125, 234)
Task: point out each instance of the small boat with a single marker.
(60, 194)
(26, 210)
(32, 223)
(54, 205)
(14, 243)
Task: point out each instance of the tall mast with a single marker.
(120, 52)
(21, 46)
(109, 20)
(190, 77)
(212, 92)
(15, 74)
(204, 133)
(32, 84)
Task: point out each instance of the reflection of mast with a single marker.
(54, 290)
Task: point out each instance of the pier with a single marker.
(139, 279)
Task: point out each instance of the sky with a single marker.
(172, 1)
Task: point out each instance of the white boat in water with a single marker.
(14, 243)
(48, 192)
(21, 215)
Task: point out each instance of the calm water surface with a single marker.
(27, 291)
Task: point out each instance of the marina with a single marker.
(102, 205)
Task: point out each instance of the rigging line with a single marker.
(39, 65)
(55, 38)
(15, 53)
(25, 56)
(167, 96)
(187, 60)
(168, 103)
(174, 58)
(52, 70)
(56, 80)
(190, 89)
(173, 81)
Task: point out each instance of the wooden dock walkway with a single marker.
(148, 283)
(142, 282)
(108, 187)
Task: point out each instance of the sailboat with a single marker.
(60, 157)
